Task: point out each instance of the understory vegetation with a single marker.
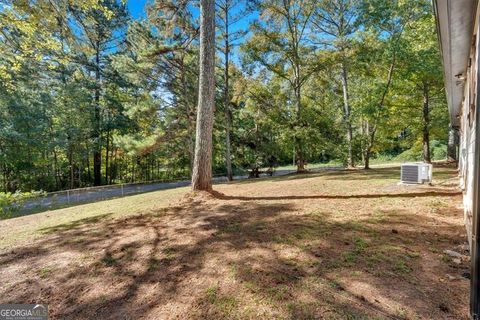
(12, 203)
(90, 95)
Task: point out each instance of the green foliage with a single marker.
(10, 202)
(413, 154)
(438, 151)
(81, 80)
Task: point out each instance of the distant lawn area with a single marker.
(326, 245)
(337, 164)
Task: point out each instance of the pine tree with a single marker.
(202, 166)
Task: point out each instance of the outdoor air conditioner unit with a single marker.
(416, 173)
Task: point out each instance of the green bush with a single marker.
(383, 157)
(412, 154)
(439, 150)
(12, 203)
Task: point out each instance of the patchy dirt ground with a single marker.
(331, 245)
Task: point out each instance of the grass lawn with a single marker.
(312, 166)
(327, 245)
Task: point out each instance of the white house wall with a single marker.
(457, 25)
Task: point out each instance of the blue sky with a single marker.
(137, 8)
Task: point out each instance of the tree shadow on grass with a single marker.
(390, 173)
(76, 223)
(431, 193)
(160, 266)
(292, 176)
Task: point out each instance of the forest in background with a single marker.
(91, 96)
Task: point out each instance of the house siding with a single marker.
(468, 136)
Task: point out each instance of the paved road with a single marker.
(77, 196)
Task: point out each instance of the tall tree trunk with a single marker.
(346, 115)
(80, 170)
(202, 166)
(228, 117)
(107, 157)
(134, 161)
(5, 176)
(370, 139)
(70, 164)
(97, 147)
(299, 122)
(366, 157)
(426, 125)
(228, 147)
(362, 134)
(7, 183)
(190, 127)
(189, 113)
(368, 153)
(114, 165)
(452, 144)
(89, 171)
(56, 170)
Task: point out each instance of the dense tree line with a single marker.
(91, 96)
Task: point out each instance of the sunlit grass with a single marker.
(26, 228)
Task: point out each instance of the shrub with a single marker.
(412, 154)
(12, 203)
(439, 150)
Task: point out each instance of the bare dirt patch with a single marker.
(332, 245)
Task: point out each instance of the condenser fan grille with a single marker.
(410, 173)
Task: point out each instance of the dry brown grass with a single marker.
(332, 245)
